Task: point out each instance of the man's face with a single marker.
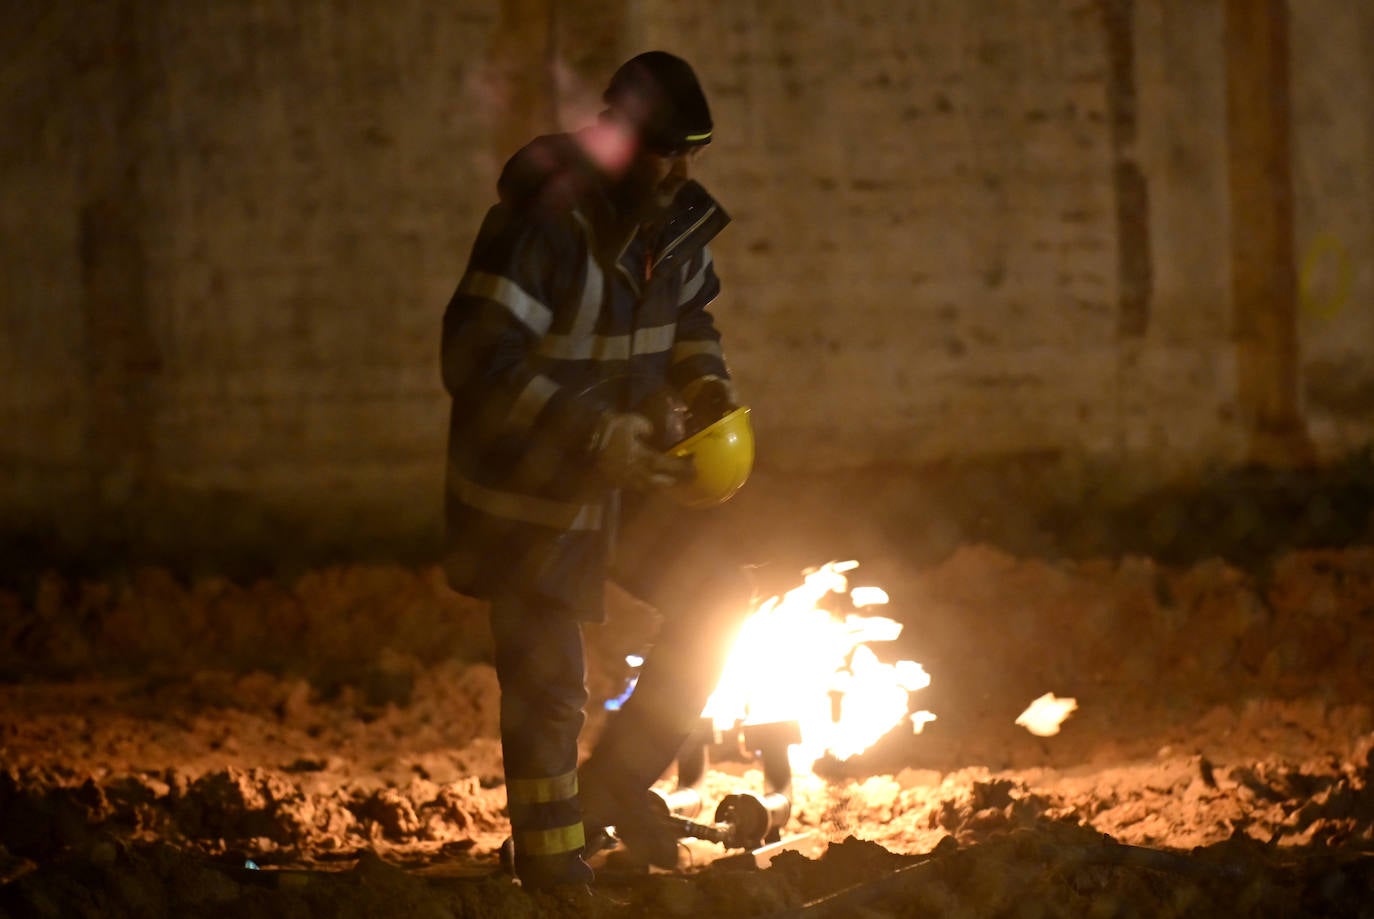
(646, 181)
(671, 173)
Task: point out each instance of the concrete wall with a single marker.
(47, 81)
(923, 265)
(964, 230)
(1333, 174)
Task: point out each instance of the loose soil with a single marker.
(340, 734)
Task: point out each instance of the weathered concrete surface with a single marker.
(1333, 147)
(228, 233)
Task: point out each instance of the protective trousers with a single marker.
(695, 577)
(678, 676)
(703, 594)
(540, 666)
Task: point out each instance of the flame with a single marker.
(794, 660)
(1044, 716)
(868, 596)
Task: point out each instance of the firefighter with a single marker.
(577, 349)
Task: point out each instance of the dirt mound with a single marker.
(1219, 763)
(329, 625)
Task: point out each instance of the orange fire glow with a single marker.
(1044, 716)
(795, 660)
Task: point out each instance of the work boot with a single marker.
(599, 840)
(647, 832)
(545, 872)
(506, 856)
(653, 842)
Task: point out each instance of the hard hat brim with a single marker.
(684, 447)
(717, 482)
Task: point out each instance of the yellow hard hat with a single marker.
(722, 454)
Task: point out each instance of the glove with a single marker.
(668, 413)
(713, 399)
(627, 459)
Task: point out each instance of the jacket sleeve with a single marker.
(506, 302)
(697, 355)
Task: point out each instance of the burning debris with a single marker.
(1044, 716)
(801, 682)
(800, 658)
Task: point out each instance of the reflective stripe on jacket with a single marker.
(563, 313)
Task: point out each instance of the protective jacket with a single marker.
(566, 310)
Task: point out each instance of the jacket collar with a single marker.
(553, 174)
(693, 220)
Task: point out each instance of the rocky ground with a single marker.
(339, 732)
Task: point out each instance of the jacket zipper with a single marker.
(620, 266)
(651, 263)
(682, 236)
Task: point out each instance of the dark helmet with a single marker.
(659, 95)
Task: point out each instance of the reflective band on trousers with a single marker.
(542, 791)
(550, 842)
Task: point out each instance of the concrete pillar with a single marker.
(121, 357)
(591, 38)
(1263, 277)
(1134, 268)
(520, 76)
